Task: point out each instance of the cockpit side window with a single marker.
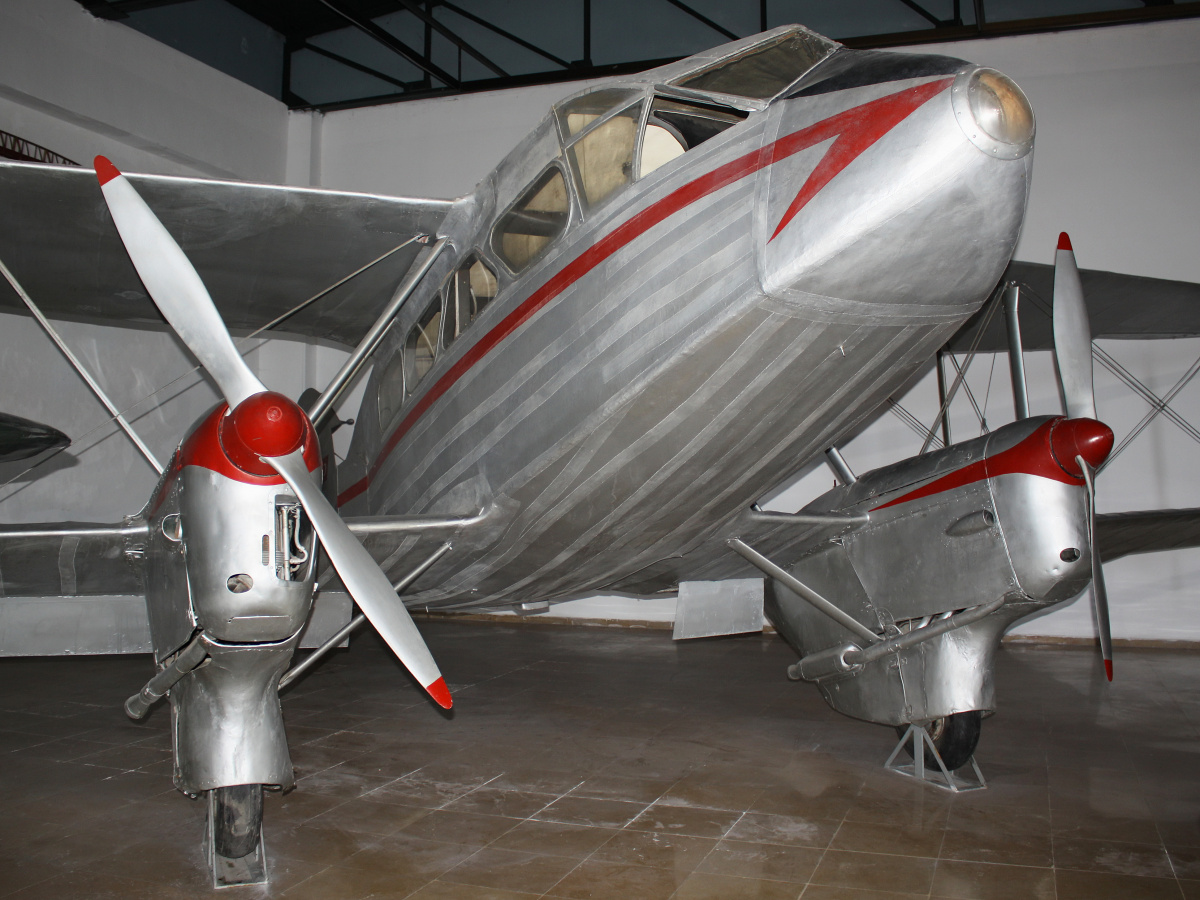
(421, 346)
(534, 221)
(574, 116)
(604, 156)
(468, 291)
(676, 126)
(764, 70)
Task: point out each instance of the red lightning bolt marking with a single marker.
(855, 129)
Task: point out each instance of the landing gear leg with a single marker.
(235, 844)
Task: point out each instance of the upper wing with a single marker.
(1120, 534)
(1119, 306)
(260, 249)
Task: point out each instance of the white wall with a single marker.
(1117, 133)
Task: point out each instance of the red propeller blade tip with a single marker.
(1064, 242)
(105, 171)
(1108, 668)
(440, 693)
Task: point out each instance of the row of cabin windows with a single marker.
(602, 150)
(464, 296)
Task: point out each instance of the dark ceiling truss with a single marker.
(490, 38)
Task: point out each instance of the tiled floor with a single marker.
(594, 763)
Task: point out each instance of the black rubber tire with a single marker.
(955, 737)
(237, 819)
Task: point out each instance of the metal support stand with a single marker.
(228, 872)
(942, 779)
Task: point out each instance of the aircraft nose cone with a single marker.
(1088, 438)
(265, 424)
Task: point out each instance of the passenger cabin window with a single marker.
(764, 70)
(421, 347)
(391, 389)
(468, 291)
(676, 126)
(534, 221)
(604, 156)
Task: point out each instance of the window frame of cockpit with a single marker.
(573, 216)
(637, 98)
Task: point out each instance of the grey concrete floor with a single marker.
(593, 763)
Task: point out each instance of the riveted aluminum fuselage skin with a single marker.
(682, 350)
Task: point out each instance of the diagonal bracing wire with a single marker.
(911, 421)
(1155, 409)
(1126, 377)
(971, 394)
(983, 326)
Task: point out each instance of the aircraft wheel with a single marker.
(955, 736)
(237, 820)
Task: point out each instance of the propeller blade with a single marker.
(175, 286)
(1098, 591)
(1072, 335)
(363, 578)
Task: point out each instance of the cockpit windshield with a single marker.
(764, 70)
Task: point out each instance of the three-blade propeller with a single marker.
(181, 297)
(1073, 353)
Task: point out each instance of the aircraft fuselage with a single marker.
(689, 344)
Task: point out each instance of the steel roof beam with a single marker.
(926, 14)
(496, 29)
(700, 17)
(451, 37)
(393, 43)
(349, 63)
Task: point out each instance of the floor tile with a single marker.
(460, 828)
(991, 881)
(874, 871)
(708, 886)
(692, 821)
(677, 852)
(1118, 857)
(590, 811)
(1072, 885)
(512, 870)
(599, 880)
(768, 828)
(555, 838)
(771, 862)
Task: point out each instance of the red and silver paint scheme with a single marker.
(1003, 517)
(231, 564)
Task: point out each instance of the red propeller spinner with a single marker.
(262, 425)
(1087, 438)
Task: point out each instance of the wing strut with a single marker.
(79, 367)
(329, 397)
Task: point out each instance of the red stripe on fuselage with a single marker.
(885, 109)
(1032, 456)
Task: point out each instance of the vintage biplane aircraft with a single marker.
(676, 292)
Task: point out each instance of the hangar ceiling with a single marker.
(330, 54)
